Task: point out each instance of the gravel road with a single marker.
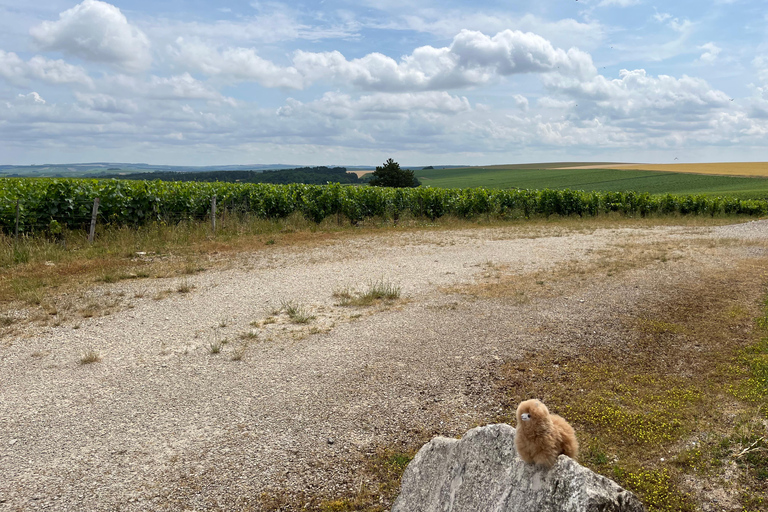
(162, 423)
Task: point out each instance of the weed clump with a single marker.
(91, 356)
(379, 291)
(296, 312)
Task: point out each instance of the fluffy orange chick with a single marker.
(541, 437)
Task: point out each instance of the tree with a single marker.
(391, 175)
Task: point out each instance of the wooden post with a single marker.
(213, 215)
(95, 212)
(16, 233)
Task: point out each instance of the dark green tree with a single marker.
(391, 175)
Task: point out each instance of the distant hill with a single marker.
(99, 169)
(102, 169)
(309, 175)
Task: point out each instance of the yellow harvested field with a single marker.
(360, 174)
(721, 168)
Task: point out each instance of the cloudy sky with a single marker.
(358, 81)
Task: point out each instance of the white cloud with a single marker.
(472, 59)
(672, 22)
(12, 68)
(521, 102)
(680, 26)
(96, 31)
(235, 64)
(645, 99)
(32, 98)
(711, 51)
(17, 71)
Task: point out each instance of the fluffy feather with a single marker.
(541, 437)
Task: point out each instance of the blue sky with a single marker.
(356, 82)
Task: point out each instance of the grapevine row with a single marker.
(68, 202)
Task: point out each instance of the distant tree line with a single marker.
(308, 175)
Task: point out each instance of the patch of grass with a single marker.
(215, 347)
(379, 291)
(91, 356)
(297, 313)
(184, 286)
(249, 335)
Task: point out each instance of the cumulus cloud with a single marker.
(96, 31)
(17, 71)
(711, 51)
(472, 59)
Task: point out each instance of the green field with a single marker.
(609, 180)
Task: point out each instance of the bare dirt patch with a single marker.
(289, 414)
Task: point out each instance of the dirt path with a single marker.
(290, 409)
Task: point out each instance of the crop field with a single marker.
(600, 179)
(755, 169)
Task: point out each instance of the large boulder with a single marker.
(482, 472)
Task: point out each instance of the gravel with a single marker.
(162, 423)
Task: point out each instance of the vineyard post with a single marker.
(213, 214)
(16, 233)
(95, 212)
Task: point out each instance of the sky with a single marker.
(355, 82)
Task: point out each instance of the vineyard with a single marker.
(51, 204)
